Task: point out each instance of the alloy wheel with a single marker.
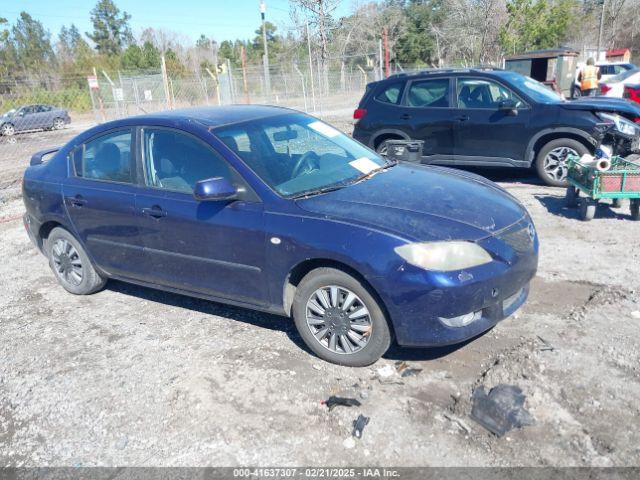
(66, 262)
(555, 163)
(58, 124)
(8, 129)
(338, 319)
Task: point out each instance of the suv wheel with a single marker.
(383, 147)
(339, 319)
(551, 162)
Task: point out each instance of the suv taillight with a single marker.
(604, 89)
(358, 113)
(632, 93)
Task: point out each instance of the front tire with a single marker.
(7, 130)
(587, 209)
(58, 124)
(339, 319)
(71, 265)
(551, 162)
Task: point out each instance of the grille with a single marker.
(517, 238)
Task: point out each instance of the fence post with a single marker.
(313, 93)
(165, 83)
(216, 84)
(304, 95)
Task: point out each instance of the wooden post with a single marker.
(243, 56)
(385, 36)
(165, 83)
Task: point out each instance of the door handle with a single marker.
(155, 212)
(463, 118)
(76, 201)
(405, 116)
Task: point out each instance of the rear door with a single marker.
(99, 196)
(212, 247)
(483, 132)
(26, 118)
(427, 115)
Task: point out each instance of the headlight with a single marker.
(444, 256)
(622, 124)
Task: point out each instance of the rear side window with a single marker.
(429, 93)
(391, 94)
(107, 158)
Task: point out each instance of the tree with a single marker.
(417, 45)
(535, 24)
(111, 31)
(274, 42)
(32, 44)
(8, 61)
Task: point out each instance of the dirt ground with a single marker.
(132, 376)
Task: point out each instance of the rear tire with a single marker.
(345, 300)
(71, 265)
(551, 160)
(58, 124)
(383, 146)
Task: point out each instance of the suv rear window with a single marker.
(429, 93)
(391, 94)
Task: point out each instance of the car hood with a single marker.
(422, 203)
(604, 104)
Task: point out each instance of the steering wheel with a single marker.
(306, 163)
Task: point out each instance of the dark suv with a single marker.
(487, 117)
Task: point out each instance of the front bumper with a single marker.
(417, 299)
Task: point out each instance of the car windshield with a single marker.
(621, 77)
(297, 155)
(9, 113)
(536, 90)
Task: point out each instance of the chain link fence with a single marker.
(47, 111)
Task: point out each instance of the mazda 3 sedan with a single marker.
(273, 210)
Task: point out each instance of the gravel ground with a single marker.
(132, 376)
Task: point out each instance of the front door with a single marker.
(483, 132)
(427, 112)
(99, 196)
(212, 247)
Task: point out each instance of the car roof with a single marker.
(210, 116)
(440, 72)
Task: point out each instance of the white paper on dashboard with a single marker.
(324, 129)
(364, 164)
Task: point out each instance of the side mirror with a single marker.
(509, 107)
(214, 189)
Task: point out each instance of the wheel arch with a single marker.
(45, 229)
(387, 134)
(545, 136)
(299, 271)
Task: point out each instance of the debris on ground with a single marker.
(349, 443)
(405, 370)
(546, 346)
(358, 425)
(461, 424)
(386, 371)
(333, 402)
(501, 410)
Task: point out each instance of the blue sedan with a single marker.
(273, 210)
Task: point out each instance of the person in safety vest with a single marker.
(588, 79)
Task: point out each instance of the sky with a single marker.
(218, 19)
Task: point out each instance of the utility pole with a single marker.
(265, 58)
(600, 31)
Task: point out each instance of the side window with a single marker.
(29, 109)
(391, 94)
(429, 93)
(618, 69)
(605, 69)
(106, 158)
(43, 108)
(480, 93)
(176, 161)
